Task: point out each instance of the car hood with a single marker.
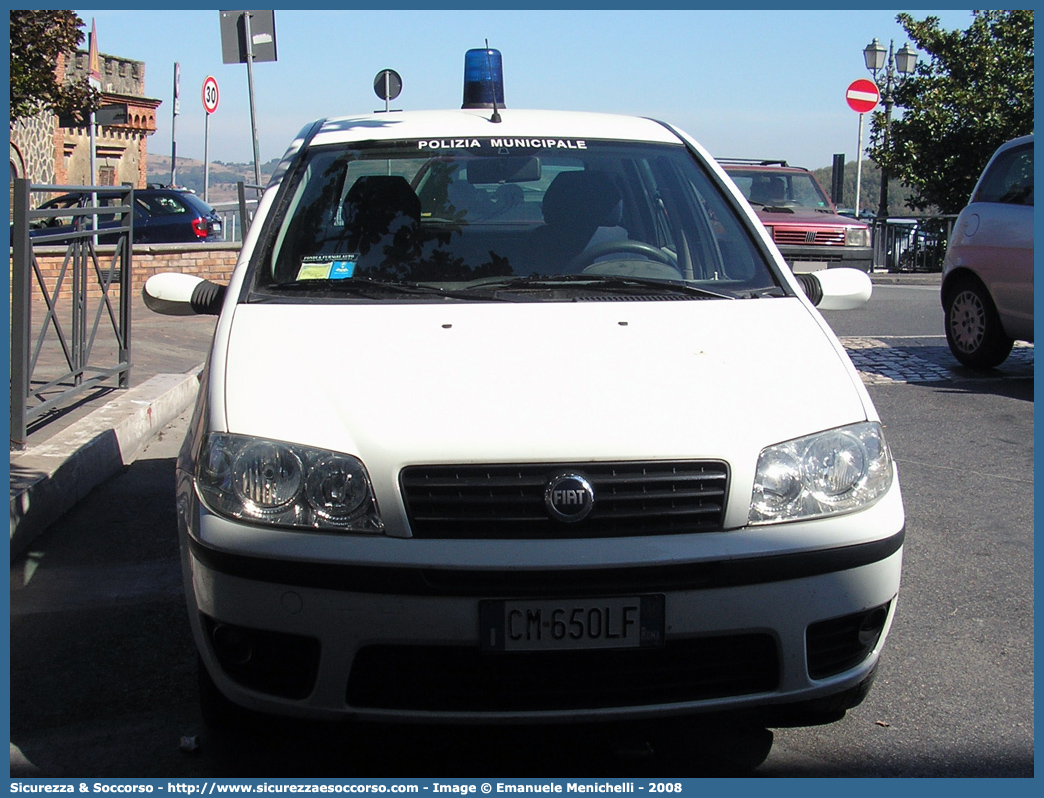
(505, 382)
(803, 216)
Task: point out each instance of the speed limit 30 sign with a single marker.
(210, 95)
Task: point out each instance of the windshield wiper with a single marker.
(369, 288)
(596, 282)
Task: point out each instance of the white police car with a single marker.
(519, 416)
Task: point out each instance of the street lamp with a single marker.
(888, 75)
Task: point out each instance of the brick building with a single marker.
(45, 152)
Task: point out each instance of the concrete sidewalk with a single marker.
(71, 450)
(906, 278)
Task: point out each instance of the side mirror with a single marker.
(837, 289)
(175, 294)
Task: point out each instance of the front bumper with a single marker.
(387, 641)
(814, 258)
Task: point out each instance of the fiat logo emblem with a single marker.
(569, 498)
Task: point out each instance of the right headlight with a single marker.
(857, 236)
(285, 484)
(837, 471)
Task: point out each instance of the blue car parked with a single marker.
(161, 215)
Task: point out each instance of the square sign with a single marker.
(233, 36)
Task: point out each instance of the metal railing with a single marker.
(69, 351)
(912, 244)
(237, 215)
(231, 220)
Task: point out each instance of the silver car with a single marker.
(987, 282)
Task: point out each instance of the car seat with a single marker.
(381, 216)
(575, 205)
(472, 204)
(770, 191)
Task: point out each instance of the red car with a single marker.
(800, 217)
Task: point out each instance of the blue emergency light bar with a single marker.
(483, 79)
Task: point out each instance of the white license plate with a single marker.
(806, 266)
(574, 623)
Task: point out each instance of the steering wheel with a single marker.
(623, 246)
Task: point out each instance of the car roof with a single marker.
(181, 192)
(190, 198)
(154, 189)
(475, 123)
(1010, 144)
(761, 166)
(1016, 142)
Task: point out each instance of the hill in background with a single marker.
(869, 190)
(222, 179)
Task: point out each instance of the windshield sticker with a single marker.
(327, 267)
(498, 144)
(342, 269)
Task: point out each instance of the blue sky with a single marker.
(753, 83)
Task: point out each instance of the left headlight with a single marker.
(857, 236)
(837, 471)
(284, 484)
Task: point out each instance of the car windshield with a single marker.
(543, 217)
(777, 189)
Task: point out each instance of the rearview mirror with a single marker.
(837, 289)
(176, 294)
(511, 169)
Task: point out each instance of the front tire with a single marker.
(973, 328)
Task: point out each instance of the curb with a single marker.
(49, 479)
(909, 278)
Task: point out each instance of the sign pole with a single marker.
(94, 79)
(173, 123)
(250, 88)
(249, 37)
(861, 96)
(210, 104)
(859, 164)
(206, 157)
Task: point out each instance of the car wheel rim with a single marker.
(967, 321)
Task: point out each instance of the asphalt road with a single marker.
(103, 668)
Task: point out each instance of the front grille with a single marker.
(819, 238)
(463, 679)
(507, 501)
(818, 257)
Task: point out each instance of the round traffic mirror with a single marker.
(387, 84)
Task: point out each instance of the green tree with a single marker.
(869, 189)
(973, 93)
(37, 38)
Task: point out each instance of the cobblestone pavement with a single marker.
(886, 360)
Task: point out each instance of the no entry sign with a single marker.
(862, 95)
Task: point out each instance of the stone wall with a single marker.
(32, 148)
